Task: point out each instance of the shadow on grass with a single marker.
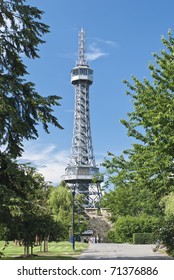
(37, 257)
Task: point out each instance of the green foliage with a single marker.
(21, 107)
(126, 226)
(24, 211)
(23, 192)
(60, 203)
(168, 203)
(144, 238)
(143, 175)
(130, 200)
(152, 123)
(167, 235)
(111, 236)
(167, 228)
(4, 232)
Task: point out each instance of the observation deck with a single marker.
(81, 73)
(82, 174)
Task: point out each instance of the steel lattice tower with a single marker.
(82, 172)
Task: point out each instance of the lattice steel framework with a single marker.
(82, 172)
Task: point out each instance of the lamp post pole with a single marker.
(73, 238)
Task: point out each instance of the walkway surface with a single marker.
(112, 251)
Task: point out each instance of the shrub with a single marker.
(144, 238)
(167, 235)
(111, 236)
(126, 226)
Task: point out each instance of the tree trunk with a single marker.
(31, 248)
(28, 249)
(45, 245)
(25, 249)
(40, 246)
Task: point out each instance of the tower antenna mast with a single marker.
(81, 48)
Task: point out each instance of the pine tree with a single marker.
(21, 107)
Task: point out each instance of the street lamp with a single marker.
(73, 238)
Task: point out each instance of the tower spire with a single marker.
(81, 48)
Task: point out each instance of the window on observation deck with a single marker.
(75, 72)
(83, 71)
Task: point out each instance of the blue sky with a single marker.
(121, 36)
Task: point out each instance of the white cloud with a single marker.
(37, 153)
(48, 160)
(107, 42)
(55, 166)
(111, 43)
(94, 52)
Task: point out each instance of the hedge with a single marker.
(144, 238)
(126, 226)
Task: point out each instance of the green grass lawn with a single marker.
(56, 250)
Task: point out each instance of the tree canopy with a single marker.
(23, 192)
(143, 174)
(60, 203)
(21, 107)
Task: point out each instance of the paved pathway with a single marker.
(112, 251)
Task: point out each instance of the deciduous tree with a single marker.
(143, 174)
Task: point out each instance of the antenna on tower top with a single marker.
(82, 48)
